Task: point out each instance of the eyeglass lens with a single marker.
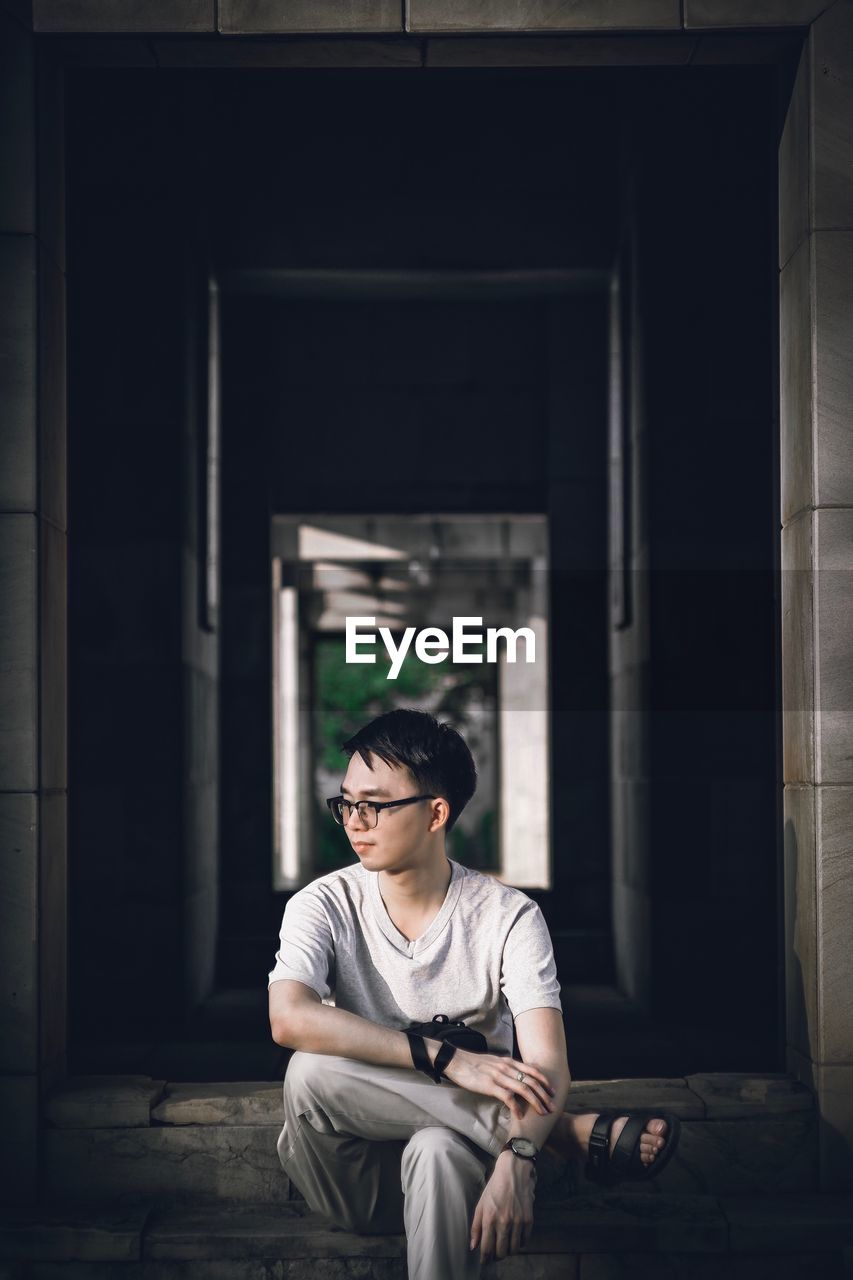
(366, 812)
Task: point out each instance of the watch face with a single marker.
(524, 1147)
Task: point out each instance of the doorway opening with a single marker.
(350, 594)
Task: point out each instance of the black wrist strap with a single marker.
(442, 1058)
(420, 1057)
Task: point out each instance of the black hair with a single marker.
(436, 754)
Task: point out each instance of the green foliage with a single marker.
(348, 696)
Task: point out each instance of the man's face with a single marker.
(401, 833)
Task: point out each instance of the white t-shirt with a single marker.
(485, 958)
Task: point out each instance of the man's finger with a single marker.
(487, 1241)
(502, 1240)
(476, 1226)
(516, 1236)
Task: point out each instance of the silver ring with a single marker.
(519, 1075)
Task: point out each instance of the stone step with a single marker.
(128, 1138)
(589, 1237)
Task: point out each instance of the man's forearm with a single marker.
(533, 1126)
(322, 1028)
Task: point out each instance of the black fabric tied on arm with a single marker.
(453, 1035)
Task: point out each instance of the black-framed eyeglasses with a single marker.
(368, 810)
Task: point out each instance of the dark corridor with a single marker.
(496, 403)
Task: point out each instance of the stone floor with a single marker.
(590, 1237)
(155, 1180)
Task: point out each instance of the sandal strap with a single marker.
(626, 1151)
(599, 1142)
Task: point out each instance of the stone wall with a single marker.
(33, 561)
(816, 326)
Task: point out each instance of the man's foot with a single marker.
(570, 1136)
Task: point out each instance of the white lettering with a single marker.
(511, 638)
(353, 638)
(460, 639)
(432, 644)
(397, 654)
(428, 641)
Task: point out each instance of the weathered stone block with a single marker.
(166, 1165)
(560, 51)
(104, 1102)
(627, 1266)
(768, 1224)
(234, 1102)
(750, 13)
(538, 15)
(18, 653)
(52, 392)
(833, 604)
(738, 1157)
(795, 371)
(833, 369)
(834, 814)
(356, 52)
(286, 1231)
(831, 40)
(53, 937)
(19, 1140)
(728, 1095)
(628, 1095)
(69, 1234)
(800, 918)
(250, 17)
(18, 944)
(630, 1221)
(53, 657)
(798, 677)
(18, 372)
(131, 15)
(17, 131)
(835, 1087)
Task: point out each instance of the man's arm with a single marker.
(300, 1020)
(503, 1217)
(542, 1042)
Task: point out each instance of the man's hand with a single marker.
(495, 1076)
(503, 1218)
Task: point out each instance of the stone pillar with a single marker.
(816, 320)
(200, 634)
(33, 539)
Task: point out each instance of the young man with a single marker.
(407, 933)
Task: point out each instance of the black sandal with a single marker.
(623, 1163)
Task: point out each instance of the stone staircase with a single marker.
(146, 1180)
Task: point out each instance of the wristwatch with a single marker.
(522, 1147)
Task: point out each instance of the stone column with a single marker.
(33, 538)
(816, 319)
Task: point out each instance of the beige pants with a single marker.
(386, 1149)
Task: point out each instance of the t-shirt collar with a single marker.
(445, 911)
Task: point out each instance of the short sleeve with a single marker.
(528, 969)
(306, 949)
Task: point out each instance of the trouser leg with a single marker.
(345, 1144)
(443, 1175)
